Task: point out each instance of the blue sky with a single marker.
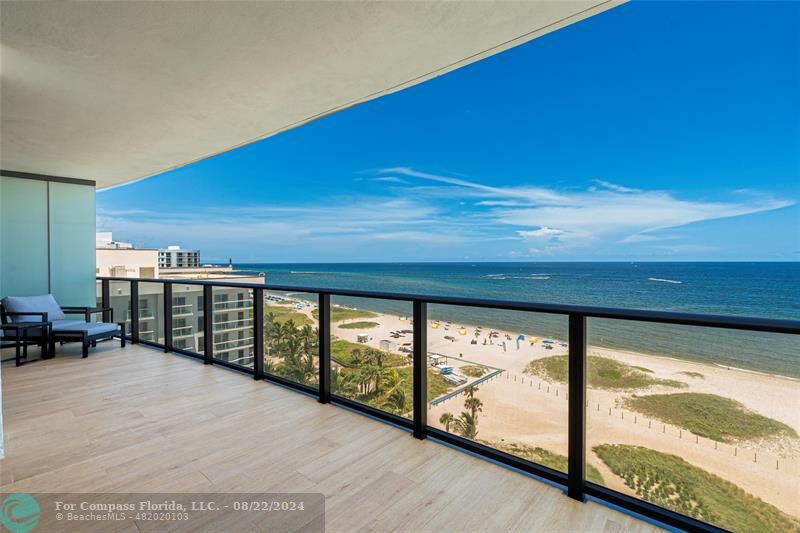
(654, 131)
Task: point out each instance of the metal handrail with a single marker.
(667, 317)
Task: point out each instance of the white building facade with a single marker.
(176, 257)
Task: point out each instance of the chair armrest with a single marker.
(26, 313)
(87, 312)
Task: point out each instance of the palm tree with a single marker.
(470, 390)
(373, 374)
(466, 425)
(344, 383)
(474, 405)
(397, 401)
(446, 420)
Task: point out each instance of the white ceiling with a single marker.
(118, 91)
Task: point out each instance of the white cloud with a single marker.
(529, 194)
(630, 239)
(614, 187)
(389, 179)
(425, 215)
(612, 212)
(541, 232)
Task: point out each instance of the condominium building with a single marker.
(232, 308)
(122, 260)
(176, 257)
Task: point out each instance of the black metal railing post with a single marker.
(324, 328)
(134, 312)
(420, 369)
(576, 467)
(105, 299)
(208, 324)
(258, 333)
(167, 316)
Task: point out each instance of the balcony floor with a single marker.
(138, 420)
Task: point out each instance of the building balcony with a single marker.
(234, 344)
(159, 419)
(419, 412)
(529, 403)
(181, 332)
(182, 310)
(233, 305)
(233, 325)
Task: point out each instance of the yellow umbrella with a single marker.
(435, 325)
(534, 340)
(462, 331)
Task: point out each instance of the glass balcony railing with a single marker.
(243, 323)
(233, 305)
(182, 310)
(182, 331)
(647, 425)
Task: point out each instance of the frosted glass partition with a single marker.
(46, 240)
(72, 255)
(23, 237)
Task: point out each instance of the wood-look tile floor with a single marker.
(139, 420)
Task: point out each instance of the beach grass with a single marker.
(361, 324)
(473, 371)
(544, 457)
(602, 373)
(339, 314)
(284, 314)
(693, 375)
(708, 415)
(671, 482)
(342, 352)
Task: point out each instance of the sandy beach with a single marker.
(529, 410)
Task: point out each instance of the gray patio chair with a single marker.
(61, 328)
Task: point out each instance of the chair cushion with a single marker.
(62, 324)
(91, 328)
(39, 304)
(68, 324)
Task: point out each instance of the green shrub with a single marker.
(602, 373)
(708, 415)
(671, 482)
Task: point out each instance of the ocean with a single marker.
(770, 290)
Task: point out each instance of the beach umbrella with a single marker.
(462, 331)
(521, 338)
